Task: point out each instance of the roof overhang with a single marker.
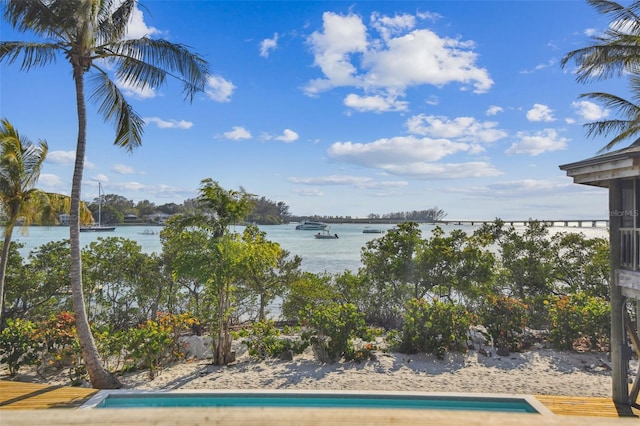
(602, 169)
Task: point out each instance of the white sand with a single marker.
(542, 371)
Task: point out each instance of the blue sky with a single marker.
(346, 108)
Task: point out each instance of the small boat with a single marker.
(325, 235)
(148, 232)
(99, 227)
(370, 230)
(308, 225)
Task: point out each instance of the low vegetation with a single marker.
(413, 293)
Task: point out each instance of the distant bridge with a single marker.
(594, 223)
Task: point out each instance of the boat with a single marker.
(308, 225)
(99, 227)
(148, 232)
(370, 230)
(325, 235)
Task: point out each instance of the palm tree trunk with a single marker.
(100, 378)
(3, 264)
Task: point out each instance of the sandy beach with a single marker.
(536, 372)
(541, 371)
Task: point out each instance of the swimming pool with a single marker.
(292, 399)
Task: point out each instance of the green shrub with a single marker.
(263, 340)
(334, 328)
(576, 316)
(505, 319)
(434, 327)
(19, 344)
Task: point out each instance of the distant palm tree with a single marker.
(20, 165)
(616, 53)
(90, 35)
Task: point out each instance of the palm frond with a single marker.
(148, 61)
(114, 107)
(33, 54)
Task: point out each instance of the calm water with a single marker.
(333, 256)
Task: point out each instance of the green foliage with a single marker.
(576, 316)
(434, 327)
(334, 327)
(505, 319)
(61, 345)
(19, 344)
(264, 340)
(308, 290)
(155, 343)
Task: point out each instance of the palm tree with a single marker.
(616, 53)
(90, 35)
(20, 165)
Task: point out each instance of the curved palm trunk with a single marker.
(3, 263)
(100, 378)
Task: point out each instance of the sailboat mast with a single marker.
(99, 204)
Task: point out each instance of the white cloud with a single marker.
(590, 111)
(535, 144)
(540, 112)
(137, 28)
(64, 158)
(268, 44)
(169, 124)
(219, 89)
(349, 56)
(237, 133)
(460, 128)
(374, 103)
(417, 170)
(354, 181)
(309, 192)
(494, 110)
(398, 150)
(123, 169)
(144, 92)
(48, 180)
(99, 178)
(288, 136)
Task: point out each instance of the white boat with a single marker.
(99, 227)
(325, 235)
(370, 230)
(148, 232)
(308, 225)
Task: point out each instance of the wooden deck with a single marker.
(22, 404)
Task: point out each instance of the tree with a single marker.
(616, 53)
(217, 259)
(88, 34)
(20, 165)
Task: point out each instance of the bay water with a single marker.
(318, 255)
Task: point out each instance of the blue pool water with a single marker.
(502, 404)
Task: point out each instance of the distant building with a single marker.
(64, 218)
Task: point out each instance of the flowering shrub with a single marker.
(155, 343)
(578, 316)
(434, 327)
(505, 318)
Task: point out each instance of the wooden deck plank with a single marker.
(585, 406)
(18, 395)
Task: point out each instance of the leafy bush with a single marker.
(434, 327)
(334, 327)
(263, 340)
(154, 344)
(19, 345)
(578, 316)
(505, 319)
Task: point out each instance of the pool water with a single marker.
(431, 402)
